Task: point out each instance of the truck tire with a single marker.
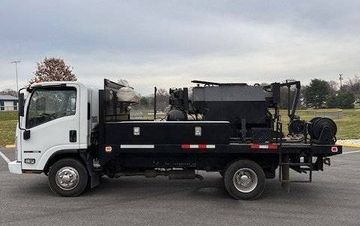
(244, 179)
(68, 177)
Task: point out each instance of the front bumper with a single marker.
(15, 167)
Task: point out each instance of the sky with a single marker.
(169, 43)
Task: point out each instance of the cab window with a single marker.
(50, 104)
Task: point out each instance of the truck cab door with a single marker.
(52, 123)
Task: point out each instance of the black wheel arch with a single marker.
(69, 153)
(268, 163)
(78, 154)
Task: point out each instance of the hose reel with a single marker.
(322, 130)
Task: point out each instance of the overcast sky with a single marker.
(169, 43)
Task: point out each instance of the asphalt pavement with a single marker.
(332, 199)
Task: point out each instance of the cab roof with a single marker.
(54, 83)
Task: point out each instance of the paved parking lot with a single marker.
(332, 199)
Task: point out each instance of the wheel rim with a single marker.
(245, 180)
(67, 178)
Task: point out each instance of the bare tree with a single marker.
(353, 86)
(9, 92)
(334, 86)
(52, 69)
(162, 99)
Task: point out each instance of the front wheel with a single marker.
(68, 177)
(244, 179)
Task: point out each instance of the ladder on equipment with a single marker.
(285, 165)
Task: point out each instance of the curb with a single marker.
(349, 145)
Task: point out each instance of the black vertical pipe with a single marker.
(285, 172)
(101, 138)
(289, 101)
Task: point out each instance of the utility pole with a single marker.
(341, 79)
(16, 71)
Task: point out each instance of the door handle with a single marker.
(72, 136)
(26, 134)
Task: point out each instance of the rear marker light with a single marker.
(108, 149)
(334, 149)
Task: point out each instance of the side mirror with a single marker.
(21, 104)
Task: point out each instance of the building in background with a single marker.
(8, 103)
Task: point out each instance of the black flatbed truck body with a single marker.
(152, 144)
(178, 148)
(138, 144)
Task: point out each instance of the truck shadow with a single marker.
(211, 188)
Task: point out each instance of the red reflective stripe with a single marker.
(273, 146)
(202, 146)
(198, 146)
(254, 146)
(185, 146)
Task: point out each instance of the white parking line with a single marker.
(4, 157)
(350, 152)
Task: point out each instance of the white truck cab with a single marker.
(54, 117)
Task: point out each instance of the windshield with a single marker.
(49, 104)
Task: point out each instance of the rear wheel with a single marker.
(68, 177)
(244, 179)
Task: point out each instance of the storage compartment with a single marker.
(133, 132)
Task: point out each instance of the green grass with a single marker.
(8, 115)
(349, 125)
(7, 127)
